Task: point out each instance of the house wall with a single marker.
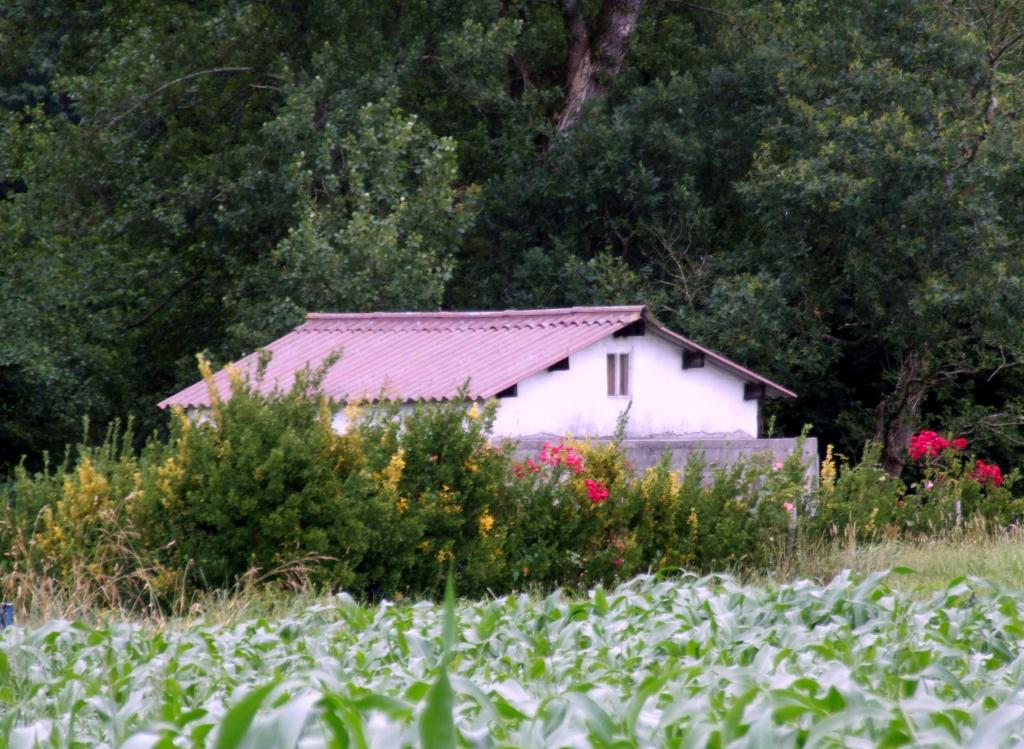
(340, 420)
(666, 398)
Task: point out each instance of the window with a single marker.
(692, 359)
(618, 374)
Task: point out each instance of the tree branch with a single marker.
(597, 47)
(164, 86)
(1009, 44)
(164, 302)
(702, 8)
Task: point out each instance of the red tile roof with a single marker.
(430, 355)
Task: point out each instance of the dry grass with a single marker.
(119, 585)
(85, 594)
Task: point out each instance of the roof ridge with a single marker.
(433, 352)
(450, 314)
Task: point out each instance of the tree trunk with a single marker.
(897, 416)
(597, 47)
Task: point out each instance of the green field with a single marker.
(676, 663)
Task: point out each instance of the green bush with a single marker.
(438, 482)
(75, 525)
(731, 519)
(864, 503)
(863, 499)
(382, 509)
(260, 482)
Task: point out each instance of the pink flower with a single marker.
(777, 466)
(929, 485)
(787, 506)
(960, 443)
(434, 458)
(561, 454)
(596, 490)
(617, 563)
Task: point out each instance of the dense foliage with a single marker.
(669, 663)
(826, 190)
(262, 485)
(264, 482)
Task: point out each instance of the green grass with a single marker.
(686, 662)
(999, 558)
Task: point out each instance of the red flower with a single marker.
(617, 563)
(596, 490)
(927, 443)
(987, 473)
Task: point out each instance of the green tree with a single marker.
(381, 220)
(827, 191)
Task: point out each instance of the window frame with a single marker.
(618, 379)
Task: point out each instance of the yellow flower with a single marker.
(353, 412)
(486, 523)
(216, 403)
(474, 412)
(870, 527)
(444, 555)
(447, 500)
(235, 377)
(403, 505)
(828, 471)
(392, 474)
(677, 481)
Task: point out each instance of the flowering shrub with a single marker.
(947, 487)
(386, 508)
(987, 473)
(929, 444)
(597, 491)
(562, 454)
(583, 514)
(861, 498)
(948, 468)
(558, 529)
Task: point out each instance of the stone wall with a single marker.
(645, 452)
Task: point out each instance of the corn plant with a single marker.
(685, 662)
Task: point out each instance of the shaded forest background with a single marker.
(829, 191)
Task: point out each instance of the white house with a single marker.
(554, 371)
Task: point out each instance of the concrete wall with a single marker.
(666, 398)
(645, 452)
